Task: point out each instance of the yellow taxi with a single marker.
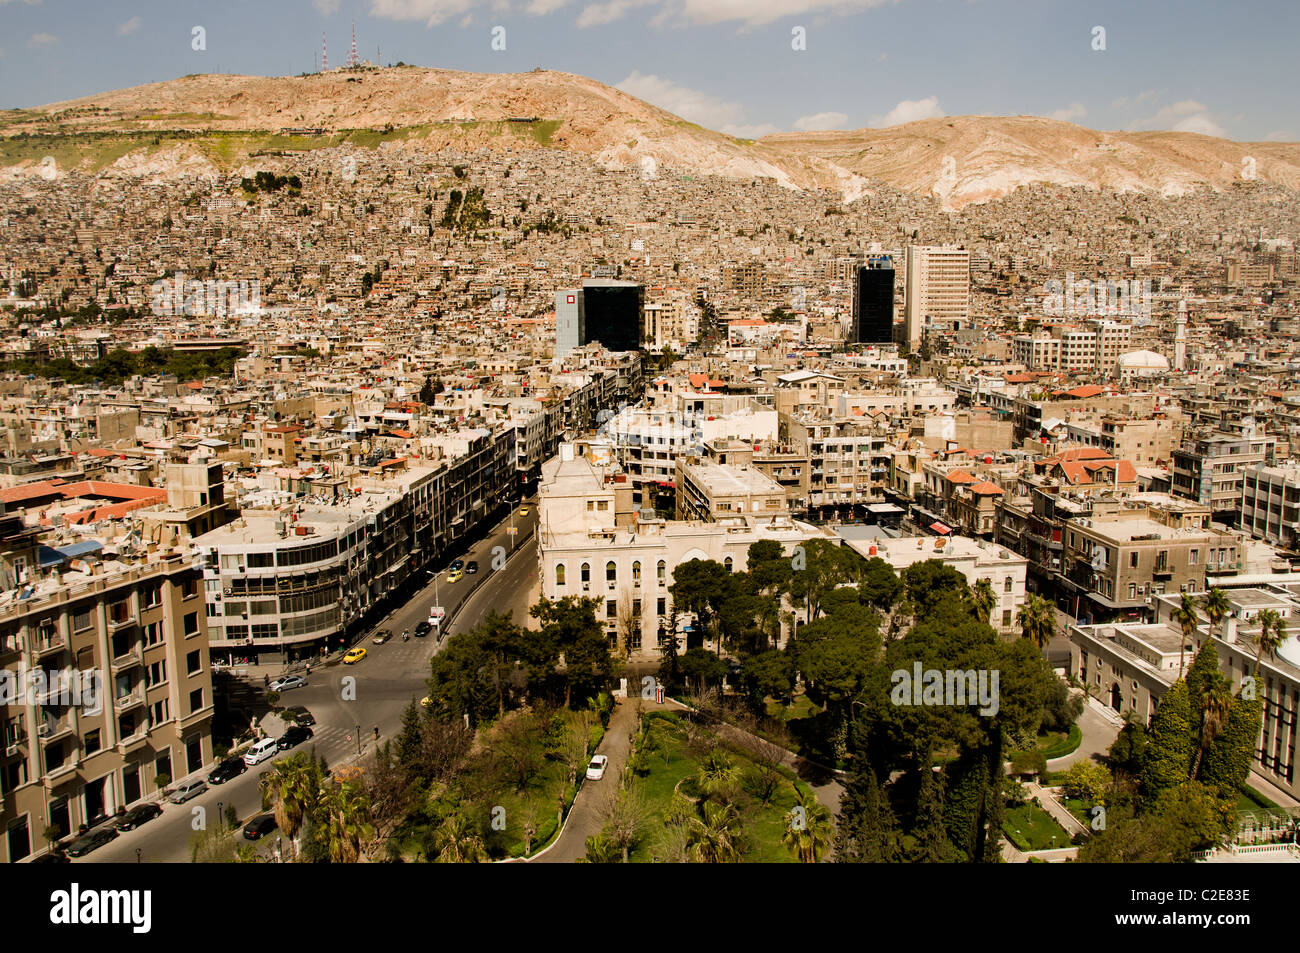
(354, 655)
(524, 510)
(455, 574)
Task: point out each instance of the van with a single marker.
(264, 749)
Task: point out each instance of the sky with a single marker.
(743, 67)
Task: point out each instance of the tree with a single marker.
(1216, 607)
(430, 390)
(1088, 781)
(1272, 633)
(1187, 619)
(346, 824)
(627, 818)
(292, 790)
(867, 831)
(570, 628)
(930, 583)
(984, 600)
(701, 586)
(930, 844)
(458, 841)
(1168, 756)
(702, 668)
(879, 584)
(1213, 712)
(1037, 620)
(1227, 762)
(714, 837)
(808, 829)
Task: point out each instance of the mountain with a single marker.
(215, 121)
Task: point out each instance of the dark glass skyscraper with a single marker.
(613, 312)
(873, 302)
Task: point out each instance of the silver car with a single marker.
(186, 790)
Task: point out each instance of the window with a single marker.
(661, 572)
(1133, 560)
(158, 715)
(559, 575)
(196, 699)
(191, 624)
(156, 673)
(1006, 618)
(152, 595)
(1195, 556)
(591, 505)
(661, 606)
(153, 634)
(193, 663)
(636, 572)
(611, 609)
(91, 741)
(1132, 590)
(611, 572)
(81, 619)
(603, 505)
(189, 587)
(728, 563)
(1006, 586)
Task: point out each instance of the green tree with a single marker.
(867, 832)
(930, 839)
(1088, 781)
(1187, 619)
(1037, 620)
(1271, 635)
(808, 830)
(1227, 762)
(1168, 755)
(984, 600)
(1216, 607)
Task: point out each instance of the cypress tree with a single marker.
(1168, 757)
(1203, 672)
(932, 845)
(1227, 762)
(965, 783)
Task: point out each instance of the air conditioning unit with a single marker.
(226, 591)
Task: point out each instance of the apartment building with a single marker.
(1270, 505)
(1118, 563)
(712, 491)
(134, 629)
(1211, 470)
(937, 290)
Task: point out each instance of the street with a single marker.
(387, 681)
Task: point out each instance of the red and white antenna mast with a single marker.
(353, 59)
(324, 54)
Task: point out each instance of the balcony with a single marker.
(47, 646)
(121, 622)
(61, 774)
(52, 729)
(134, 742)
(128, 700)
(128, 659)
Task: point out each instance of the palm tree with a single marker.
(458, 842)
(1216, 607)
(347, 821)
(984, 600)
(1214, 709)
(1187, 618)
(291, 789)
(1037, 619)
(715, 838)
(807, 829)
(1272, 633)
(718, 775)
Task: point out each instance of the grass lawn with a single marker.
(802, 707)
(1079, 808)
(1029, 827)
(762, 825)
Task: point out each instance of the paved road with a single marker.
(387, 680)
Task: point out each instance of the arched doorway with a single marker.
(1116, 697)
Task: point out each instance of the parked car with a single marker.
(382, 636)
(300, 715)
(186, 790)
(354, 655)
(471, 567)
(55, 856)
(292, 737)
(266, 748)
(227, 770)
(92, 840)
(287, 682)
(596, 769)
(137, 816)
(259, 827)
(422, 629)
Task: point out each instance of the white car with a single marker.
(287, 682)
(596, 769)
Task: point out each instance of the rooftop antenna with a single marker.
(353, 59)
(324, 54)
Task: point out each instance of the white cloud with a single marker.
(129, 27)
(30, 3)
(432, 12)
(1184, 116)
(598, 14)
(1069, 113)
(757, 131)
(326, 7)
(910, 110)
(1141, 99)
(539, 8)
(1278, 135)
(42, 39)
(694, 106)
(758, 12)
(820, 121)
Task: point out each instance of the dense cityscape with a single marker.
(411, 500)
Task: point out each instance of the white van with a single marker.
(264, 749)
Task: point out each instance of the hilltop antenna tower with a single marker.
(324, 54)
(353, 59)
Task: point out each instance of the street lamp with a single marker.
(358, 740)
(221, 818)
(137, 855)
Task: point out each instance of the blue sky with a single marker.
(1192, 65)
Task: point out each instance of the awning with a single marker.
(941, 529)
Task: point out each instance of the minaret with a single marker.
(324, 54)
(1180, 337)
